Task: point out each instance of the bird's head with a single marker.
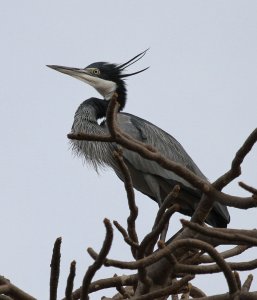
(105, 77)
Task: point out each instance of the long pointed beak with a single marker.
(80, 74)
(105, 87)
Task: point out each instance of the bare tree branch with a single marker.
(235, 170)
(248, 188)
(152, 237)
(11, 291)
(226, 254)
(125, 235)
(131, 199)
(238, 280)
(98, 262)
(70, 281)
(247, 284)
(175, 288)
(55, 268)
(107, 283)
(224, 234)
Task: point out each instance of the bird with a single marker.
(147, 176)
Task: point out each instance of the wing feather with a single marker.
(168, 146)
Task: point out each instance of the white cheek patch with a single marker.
(105, 87)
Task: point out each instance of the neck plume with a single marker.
(98, 154)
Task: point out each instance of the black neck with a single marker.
(122, 94)
(100, 106)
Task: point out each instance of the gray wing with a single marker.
(167, 145)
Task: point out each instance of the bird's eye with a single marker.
(96, 72)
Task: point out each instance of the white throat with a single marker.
(105, 87)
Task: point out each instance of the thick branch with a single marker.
(188, 243)
(111, 282)
(223, 234)
(13, 291)
(173, 289)
(242, 296)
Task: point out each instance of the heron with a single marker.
(147, 176)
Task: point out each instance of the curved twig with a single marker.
(248, 188)
(125, 235)
(99, 261)
(235, 170)
(152, 237)
(131, 198)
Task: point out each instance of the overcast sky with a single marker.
(201, 88)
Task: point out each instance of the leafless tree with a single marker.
(166, 272)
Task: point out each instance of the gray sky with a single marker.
(201, 88)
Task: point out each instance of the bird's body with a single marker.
(147, 176)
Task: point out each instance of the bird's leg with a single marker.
(164, 232)
(155, 189)
(166, 226)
